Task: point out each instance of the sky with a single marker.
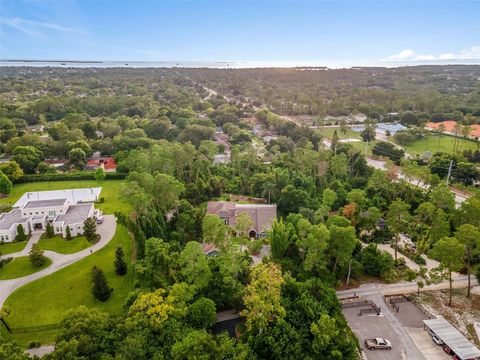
(331, 33)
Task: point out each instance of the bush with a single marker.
(385, 149)
(20, 234)
(34, 344)
(376, 262)
(255, 246)
(49, 232)
(37, 258)
(77, 175)
(202, 313)
(100, 289)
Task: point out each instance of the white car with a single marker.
(437, 340)
(100, 220)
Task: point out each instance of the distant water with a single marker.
(320, 65)
(132, 64)
(224, 64)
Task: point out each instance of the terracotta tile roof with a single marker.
(475, 130)
(108, 163)
(449, 126)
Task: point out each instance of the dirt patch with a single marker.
(463, 313)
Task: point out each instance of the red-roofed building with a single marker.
(107, 163)
(449, 128)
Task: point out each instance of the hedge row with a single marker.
(79, 175)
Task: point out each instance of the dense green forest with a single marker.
(162, 127)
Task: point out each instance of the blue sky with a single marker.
(343, 32)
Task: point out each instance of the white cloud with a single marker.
(402, 56)
(36, 28)
(424, 57)
(409, 55)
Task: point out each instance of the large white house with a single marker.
(45, 207)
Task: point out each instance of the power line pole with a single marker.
(449, 171)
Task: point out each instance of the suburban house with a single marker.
(40, 208)
(106, 163)
(262, 215)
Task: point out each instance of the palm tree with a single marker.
(269, 188)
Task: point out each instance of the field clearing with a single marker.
(111, 192)
(328, 132)
(439, 143)
(44, 301)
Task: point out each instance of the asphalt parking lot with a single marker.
(371, 326)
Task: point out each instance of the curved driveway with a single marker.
(59, 261)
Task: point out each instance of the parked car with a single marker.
(437, 340)
(378, 344)
(448, 350)
(100, 220)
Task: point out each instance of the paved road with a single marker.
(59, 261)
(460, 281)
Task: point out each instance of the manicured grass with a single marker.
(328, 132)
(10, 248)
(436, 142)
(63, 246)
(111, 191)
(44, 301)
(20, 267)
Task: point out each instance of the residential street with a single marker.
(59, 261)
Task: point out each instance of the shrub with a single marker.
(120, 264)
(77, 175)
(100, 289)
(20, 233)
(255, 246)
(37, 259)
(34, 344)
(49, 233)
(202, 313)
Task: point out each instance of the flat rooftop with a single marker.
(453, 338)
(75, 214)
(74, 196)
(34, 204)
(10, 218)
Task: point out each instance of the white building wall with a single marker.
(51, 211)
(10, 234)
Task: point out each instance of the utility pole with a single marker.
(449, 171)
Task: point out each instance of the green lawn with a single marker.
(110, 191)
(435, 143)
(63, 246)
(45, 301)
(328, 132)
(20, 267)
(10, 248)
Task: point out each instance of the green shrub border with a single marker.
(79, 175)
